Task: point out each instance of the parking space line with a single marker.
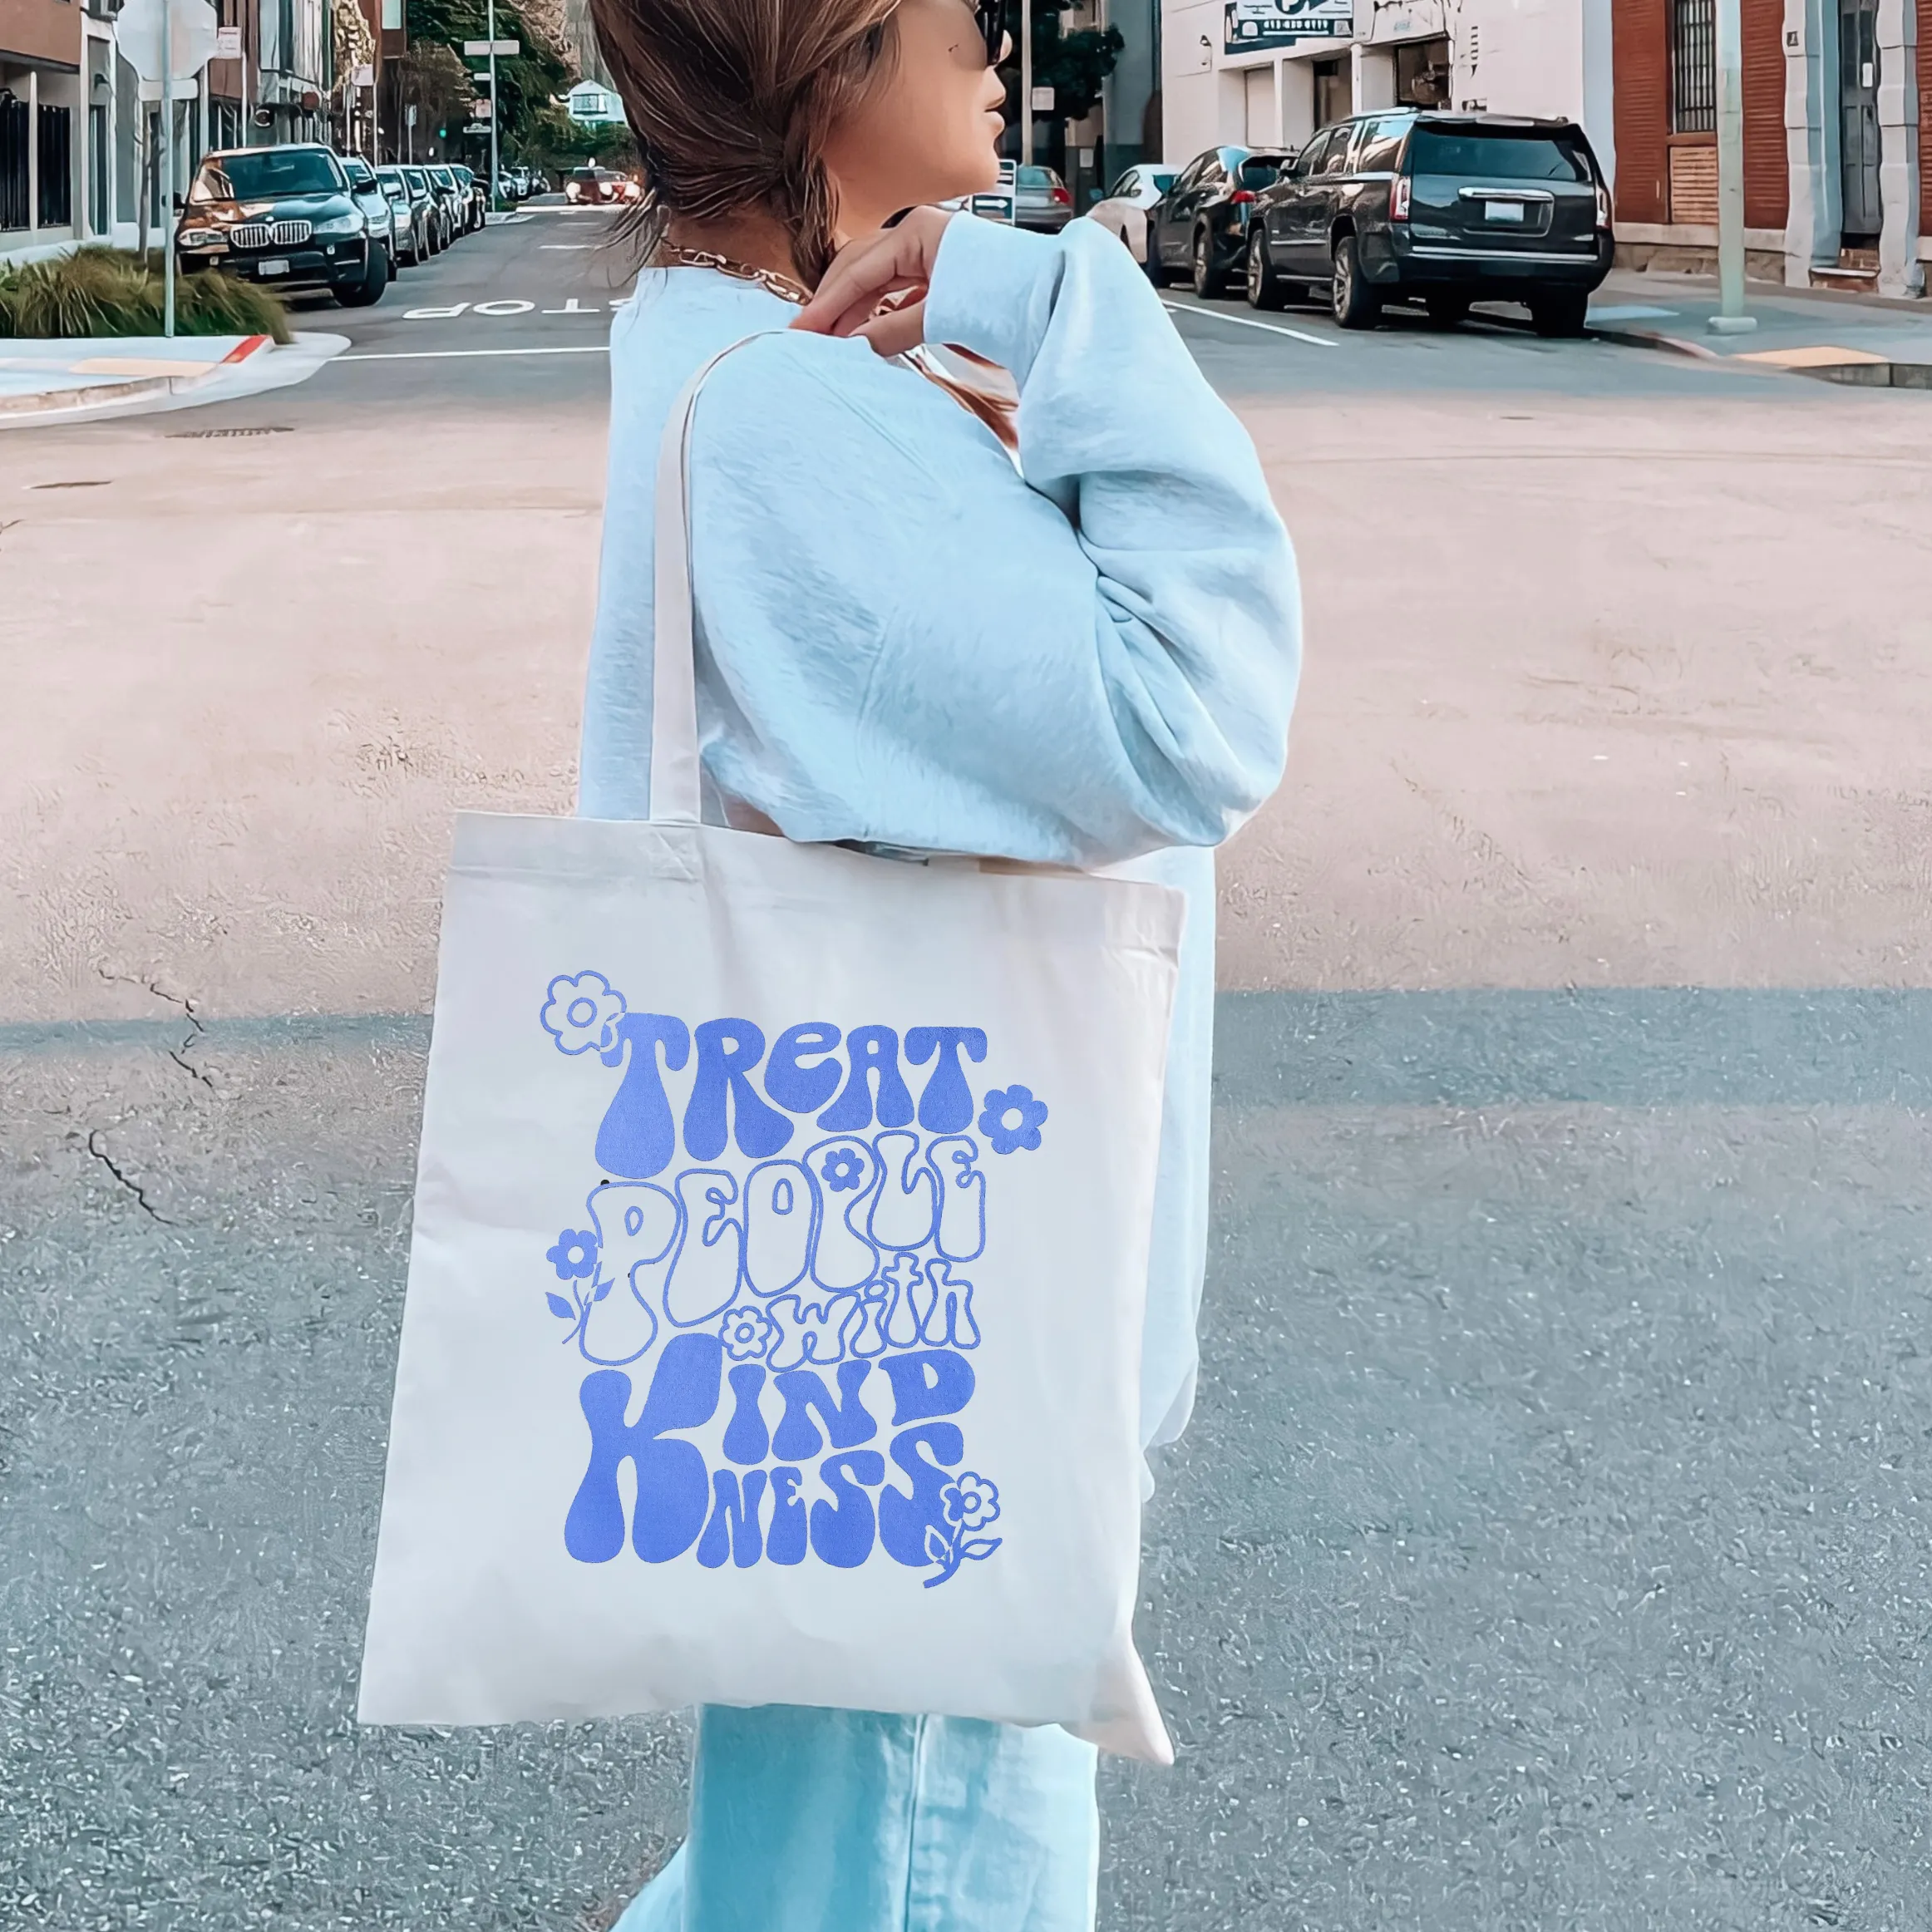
(441, 355)
(1319, 342)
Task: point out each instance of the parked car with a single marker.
(285, 215)
(475, 202)
(1199, 227)
(1420, 205)
(437, 228)
(1041, 201)
(414, 214)
(1122, 211)
(454, 197)
(386, 219)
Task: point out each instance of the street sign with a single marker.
(363, 77)
(480, 110)
(481, 50)
(228, 43)
(192, 30)
(1042, 100)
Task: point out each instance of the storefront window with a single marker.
(1423, 71)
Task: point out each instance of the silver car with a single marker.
(1043, 203)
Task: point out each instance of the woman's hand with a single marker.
(876, 287)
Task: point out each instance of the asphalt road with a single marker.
(1550, 1546)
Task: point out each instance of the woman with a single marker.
(1081, 651)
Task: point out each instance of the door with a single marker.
(1858, 118)
(1168, 227)
(1291, 219)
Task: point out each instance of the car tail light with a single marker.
(1603, 204)
(1399, 188)
(1063, 198)
(1240, 198)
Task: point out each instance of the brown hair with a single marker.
(732, 101)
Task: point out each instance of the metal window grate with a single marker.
(1693, 67)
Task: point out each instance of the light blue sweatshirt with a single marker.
(905, 640)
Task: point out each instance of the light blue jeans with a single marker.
(815, 1821)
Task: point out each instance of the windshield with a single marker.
(1500, 157)
(266, 173)
(358, 173)
(584, 173)
(416, 179)
(1038, 178)
(442, 177)
(1162, 183)
(1260, 173)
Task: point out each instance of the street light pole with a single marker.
(167, 171)
(1731, 319)
(1026, 80)
(491, 30)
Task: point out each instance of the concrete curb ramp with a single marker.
(1823, 362)
(83, 380)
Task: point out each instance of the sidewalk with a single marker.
(75, 378)
(1840, 337)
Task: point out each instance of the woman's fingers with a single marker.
(895, 261)
(893, 331)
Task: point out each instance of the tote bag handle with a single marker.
(675, 795)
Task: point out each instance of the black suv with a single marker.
(286, 216)
(1418, 204)
(1198, 227)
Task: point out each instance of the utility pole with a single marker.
(490, 29)
(1731, 319)
(167, 170)
(1026, 80)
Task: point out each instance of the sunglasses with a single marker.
(990, 15)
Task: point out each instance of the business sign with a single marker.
(1253, 24)
(228, 43)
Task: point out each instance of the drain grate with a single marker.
(267, 429)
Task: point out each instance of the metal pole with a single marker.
(1731, 319)
(491, 30)
(1027, 82)
(167, 170)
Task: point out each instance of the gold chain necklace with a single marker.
(670, 254)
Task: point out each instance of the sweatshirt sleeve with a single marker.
(911, 641)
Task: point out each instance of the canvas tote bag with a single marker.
(782, 1226)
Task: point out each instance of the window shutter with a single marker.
(1640, 62)
(1766, 185)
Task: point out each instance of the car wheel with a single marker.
(1210, 279)
(1264, 289)
(1356, 304)
(1447, 309)
(367, 292)
(1564, 313)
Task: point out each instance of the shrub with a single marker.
(102, 291)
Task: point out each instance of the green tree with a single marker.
(526, 84)
(1073, 65)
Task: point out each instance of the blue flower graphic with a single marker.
(842, 1169)
(581, 1013)
(574, 1255)
(1011, 1119)
(970, 1502)
(747, 1333)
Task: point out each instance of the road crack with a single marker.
(178, 1054)
(98, 1150)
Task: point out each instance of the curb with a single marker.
(1651, 338)
(1856, 371)
(243, 372)
(55, 401)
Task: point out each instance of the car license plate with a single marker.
(1503, 211)
(279, 267)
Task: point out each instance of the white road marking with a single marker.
(438, 355)
(1319, 342)
(562, 248)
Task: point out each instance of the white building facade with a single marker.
(1269, 72)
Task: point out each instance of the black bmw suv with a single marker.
(285, 216)
(1424, 205)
